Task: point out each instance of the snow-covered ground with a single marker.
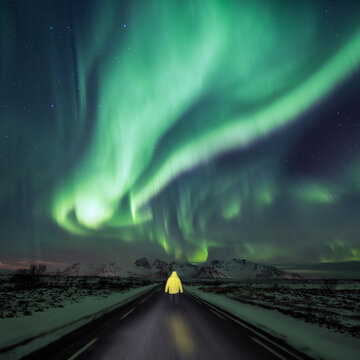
(317, 341)
(67, 311)
(56, 292)
(334, 304)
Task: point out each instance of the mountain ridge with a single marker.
(156, 268)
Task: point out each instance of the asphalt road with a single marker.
(151, 329)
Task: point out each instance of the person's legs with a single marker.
(176, 296)
(171, 299)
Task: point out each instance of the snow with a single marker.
(57, 322)
(316, 341)
(155, 268)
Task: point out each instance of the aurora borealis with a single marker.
(188, 129)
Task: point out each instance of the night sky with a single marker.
(179, 129)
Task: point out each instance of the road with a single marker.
(151, 329)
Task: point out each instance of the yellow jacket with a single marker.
(173, 284)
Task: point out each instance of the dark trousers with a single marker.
(174, 299)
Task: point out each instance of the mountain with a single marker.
(244, 269)
(208, 272)
(145, 268)
(332, 270)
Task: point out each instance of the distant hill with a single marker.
(4, 272)
(246, 269)
(145, 268)
(338, 270)
(333, 266)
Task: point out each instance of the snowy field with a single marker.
(331, 304)
(319, 318)
(27, 299)
(37, 314)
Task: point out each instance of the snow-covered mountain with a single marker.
(145, 268)
(141, 268)
(244, 269)
(208, 272)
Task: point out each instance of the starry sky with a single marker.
(185, 130)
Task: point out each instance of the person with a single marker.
(173, 285)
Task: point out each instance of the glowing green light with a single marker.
(218, 77)
(314, 193)
(341, 250)
(199, 255)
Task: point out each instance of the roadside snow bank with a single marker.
(40, 329)
(316, 341)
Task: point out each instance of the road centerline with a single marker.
(83, 349)
(126, 314)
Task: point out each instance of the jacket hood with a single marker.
(174, 274)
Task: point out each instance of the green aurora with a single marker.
(174, 123)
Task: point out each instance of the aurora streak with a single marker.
(165, 95)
